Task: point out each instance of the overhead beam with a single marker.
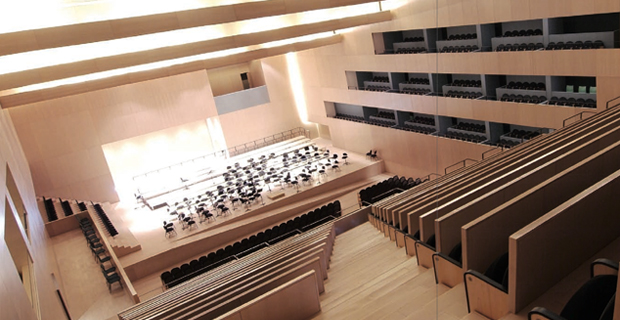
(46, 74)
(8, 99)
(75, 34)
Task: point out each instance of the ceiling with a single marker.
(80, 46)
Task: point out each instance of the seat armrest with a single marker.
(603, 266)
(540, 313)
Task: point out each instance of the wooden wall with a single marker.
(14, 301)
(324, 77)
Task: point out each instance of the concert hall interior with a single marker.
(294, 159)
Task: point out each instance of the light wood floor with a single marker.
(370, 278)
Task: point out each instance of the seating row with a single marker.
(463, 94)
(518, 98)
(386, 115)
(507, 143)
(523, 33)
(251, 244)
(526, 85)
(418, 81)
(417, 129)
(572, 102)
(520, 47)
(411, 50)
(430, 121)
(466, 126)
(416, 91)
(385, 189)
(223, 289)
(107, 223)
(577, 45)
(500, 209)
(380, 79)
(459, 49)
(469, 137)
(50, 210)
(99, 252)
(466, 83)
(463, 36)
(377, 88)
(522, 134)
(413, 39)
(382, 123)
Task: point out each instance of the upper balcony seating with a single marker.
(526, 85)
(466, 83)
(416, 91)
(411, 50)
(430, 121)
(522, 134)
(463, 94)
(572, 102)
(523, 33)
(381, 79)
(50, 210)
(466, 126)
(476, 138)
(460, 49)
(418, 81)
(520, 47)
(413, 39)
(518, 98)
(377, 88)
(577, 45)
(349, 117)
(417, 129)
(386, 115)
(464, 36)
(107, 223)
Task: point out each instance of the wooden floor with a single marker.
(370, 278)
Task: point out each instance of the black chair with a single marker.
(373, 156)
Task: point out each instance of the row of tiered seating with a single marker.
(109, 226)
(526, 85)
(522, 134)
(466, 126)
(251, 244)
(50, 210)
(459, 49)
(466, 83)
(518, 98)
(343, 116)
(418, 81)
(411, 50)
(413, 39)
(382, 123)
(377, 88)
(223, 289)
(504, 143)
(500, 210)
(463, 94)
(464, 36)
(523, 33)
(99, 252)
(386, 115)
(469, 137)
(520, 47)
(380, 79)
(423, 120)
(577, 45)
(386, 188)
(416, 91)
(572, 102)
(66, 208)
(417, 129)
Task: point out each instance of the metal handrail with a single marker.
(238, 149)
(464, 161)
(431, 174)
(615, 105)
(580, 114)
(484, 153)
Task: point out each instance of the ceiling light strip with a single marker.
(75, 34)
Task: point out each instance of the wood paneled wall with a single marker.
(324, 77)
(62, 138)
(14, 302)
